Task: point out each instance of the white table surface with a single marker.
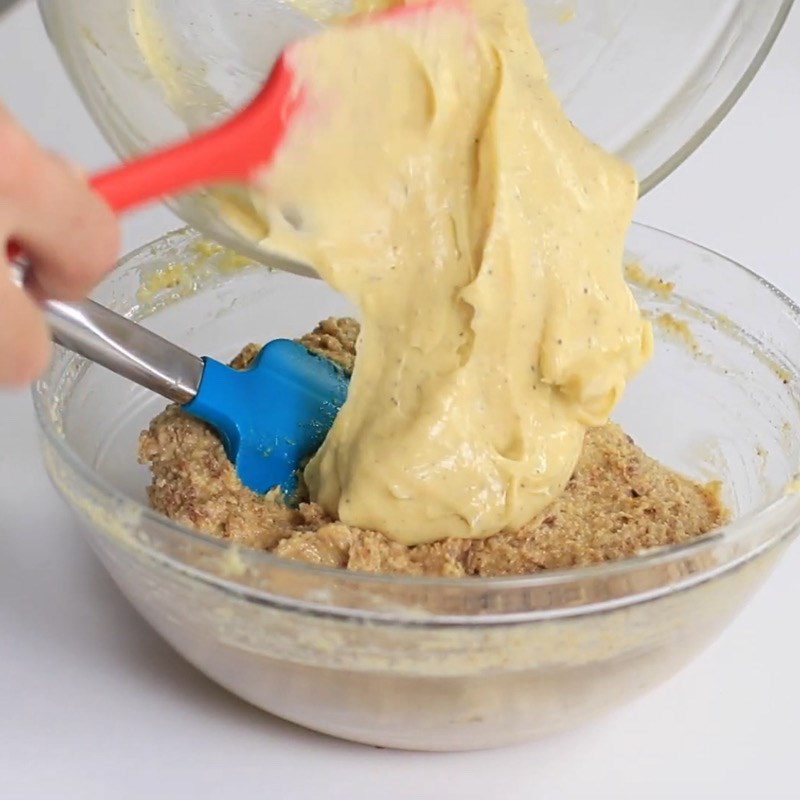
(94, 705)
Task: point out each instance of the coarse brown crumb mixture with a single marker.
(618, 502)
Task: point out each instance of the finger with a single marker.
(24, 338)
(67, 231)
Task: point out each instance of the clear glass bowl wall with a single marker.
(443, 664)
(647, 79)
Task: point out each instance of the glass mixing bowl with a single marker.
(444, 664)
(647, 79)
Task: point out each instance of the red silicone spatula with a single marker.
(237, 149)
(233, 151)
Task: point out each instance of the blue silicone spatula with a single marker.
(271, 417)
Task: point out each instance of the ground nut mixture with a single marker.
(618, 502)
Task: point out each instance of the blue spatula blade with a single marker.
(273, 416)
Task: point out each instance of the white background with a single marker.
(94, 705)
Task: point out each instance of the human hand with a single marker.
(65, 229)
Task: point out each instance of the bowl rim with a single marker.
(785, 506)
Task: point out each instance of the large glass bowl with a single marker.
(647, 79)
(444, 664)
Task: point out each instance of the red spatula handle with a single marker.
(234, 151)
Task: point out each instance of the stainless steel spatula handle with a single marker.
(117, 343)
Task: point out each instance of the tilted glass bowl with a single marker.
(444, 664)
(646, 79)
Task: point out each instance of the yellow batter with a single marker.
(436, 182)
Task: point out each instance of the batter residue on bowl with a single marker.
(617, 503)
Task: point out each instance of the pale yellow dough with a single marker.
(434, 179)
